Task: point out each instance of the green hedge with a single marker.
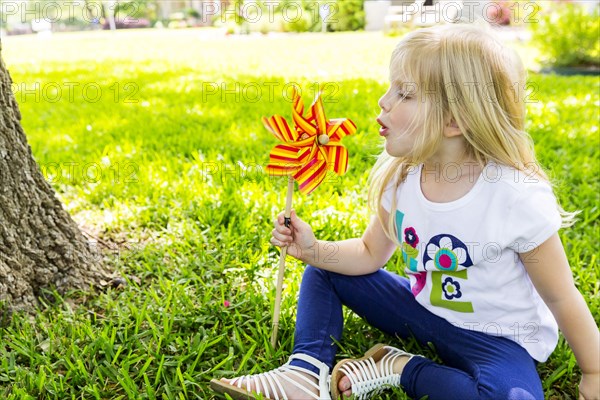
(567, 36)
(350, 16)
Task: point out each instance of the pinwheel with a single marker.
(309, 150)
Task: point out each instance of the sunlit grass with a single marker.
(171, 172)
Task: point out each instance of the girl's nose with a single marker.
(383, 102)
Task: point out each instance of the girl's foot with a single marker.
(380, 368)
(285, 382)
(299, 385)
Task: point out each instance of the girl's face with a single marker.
(399, 108)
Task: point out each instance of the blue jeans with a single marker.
(477, 365)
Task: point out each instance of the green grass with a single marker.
(171, 176)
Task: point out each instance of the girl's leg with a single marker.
(319, 318)
(477, 365)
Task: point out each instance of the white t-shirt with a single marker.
(462, 256)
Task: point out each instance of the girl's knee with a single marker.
(309, 270)
(513, 389)
(317, 276)
(314, 271)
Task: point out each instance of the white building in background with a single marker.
(384, 14)
(17, 9)
(167, 7)
(28, 16)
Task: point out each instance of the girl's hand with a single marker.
(589, 388)
(299, 237)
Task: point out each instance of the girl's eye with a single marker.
(403, 96)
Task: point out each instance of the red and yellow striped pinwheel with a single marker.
(311, 148)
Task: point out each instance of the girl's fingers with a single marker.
(280, 221)
(283, 230)
(277, 243)
(281, 237)
(281, 217)
(280, 226)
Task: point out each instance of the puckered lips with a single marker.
(383, 131)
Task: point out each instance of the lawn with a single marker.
(153, 142)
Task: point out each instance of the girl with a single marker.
(459, 190)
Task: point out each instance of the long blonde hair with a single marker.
(462, 71)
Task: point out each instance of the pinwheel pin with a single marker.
(309, 150)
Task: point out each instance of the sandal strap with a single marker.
(323, 378)
(366, 378)
(269, 383)
(323, 368)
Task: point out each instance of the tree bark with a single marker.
(41, 247)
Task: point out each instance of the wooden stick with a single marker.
(279, 289)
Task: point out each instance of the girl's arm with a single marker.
(550, 273)
(358, 256)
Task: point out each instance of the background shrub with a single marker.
(350, 16)
(567, 36)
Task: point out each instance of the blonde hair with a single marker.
(459, 71)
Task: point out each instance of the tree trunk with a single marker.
(41, 247)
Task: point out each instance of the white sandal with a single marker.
(366, 378)
(268, 383)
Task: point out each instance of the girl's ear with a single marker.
(451, 129)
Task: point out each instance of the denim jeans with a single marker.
(476, 365)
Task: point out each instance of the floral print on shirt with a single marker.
(445, 252)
